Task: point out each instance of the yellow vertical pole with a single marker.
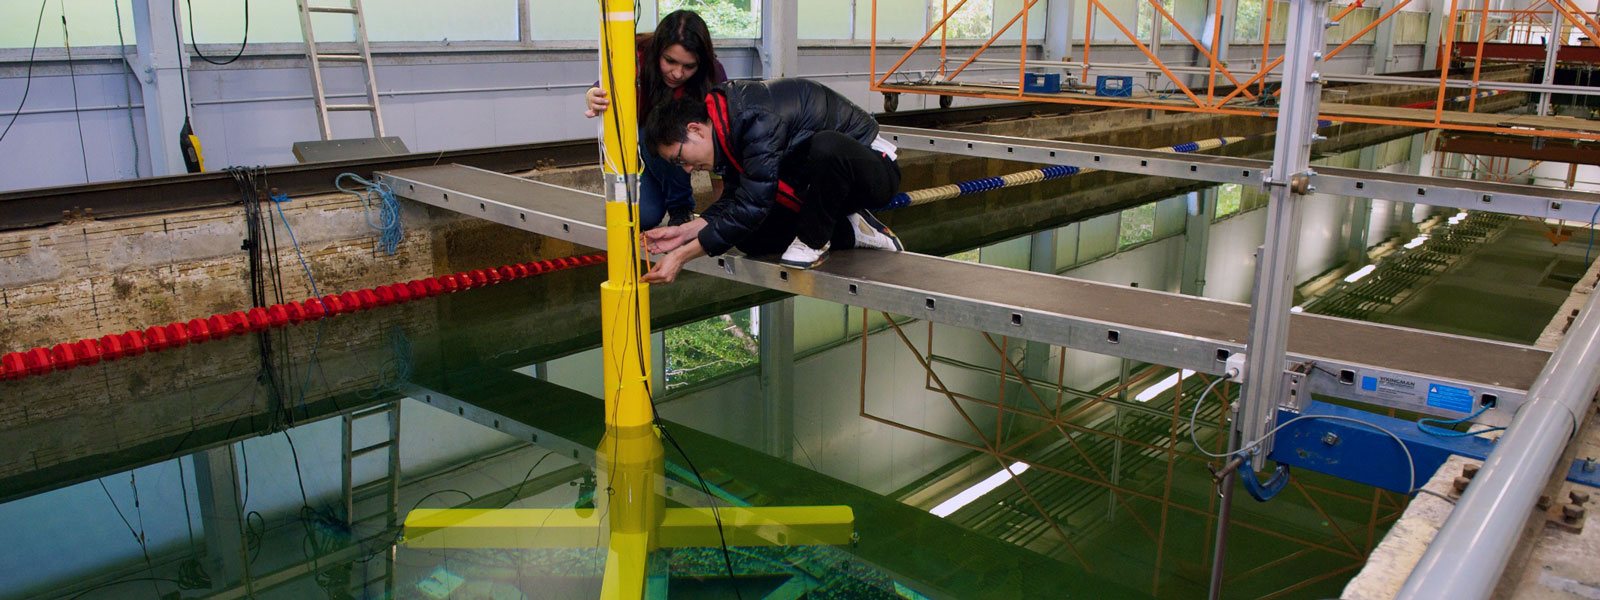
(630, 455)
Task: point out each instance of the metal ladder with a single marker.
(316, 58)
(386, 487)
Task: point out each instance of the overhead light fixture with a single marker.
(1151, 392)
(1362, 272)
(1416, 241)
(944, 509)
(1298, 309)
(1460, 216)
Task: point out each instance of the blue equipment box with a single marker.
(1113, 85)
(1042, 83)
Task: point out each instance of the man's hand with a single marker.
(666, 270)
(597, 102)
(667, 239)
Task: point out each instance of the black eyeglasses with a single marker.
(677, 159)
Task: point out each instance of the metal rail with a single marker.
(1438, 191)
(39, 207)
(1158, 327)
(1467, 557)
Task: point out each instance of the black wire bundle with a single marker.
(639, 336)
(266, 282)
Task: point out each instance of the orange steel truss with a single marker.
(1218, 75)
(1348, 547)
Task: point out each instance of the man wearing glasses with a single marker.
(803, 167)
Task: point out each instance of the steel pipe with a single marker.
(1467, 557)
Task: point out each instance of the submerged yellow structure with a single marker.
(629, 510)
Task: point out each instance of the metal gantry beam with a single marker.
(1538, 202)
(1144, 325)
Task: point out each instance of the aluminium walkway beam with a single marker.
(1158, 327)
(1530, 201)
(1466, 558)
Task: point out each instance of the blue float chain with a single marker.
(975, 186)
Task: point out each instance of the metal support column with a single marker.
(160, 67)
(1435, 37)
(1201, 209)
(777, 376)
(1058, 29)
(1274, 286)
(1269, 315)
(1383, 41)
(1467, 557)
(1041, 259)
(1155, 47)
(1224, 9)
(780, 22)
(217, 492)
(1552, 46)
(1360, 214)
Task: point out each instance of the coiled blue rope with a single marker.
(1430, 426)
(374, 192)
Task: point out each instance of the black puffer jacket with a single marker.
(756, 124)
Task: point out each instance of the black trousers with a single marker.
(833, 175)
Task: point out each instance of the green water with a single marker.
(1117, 504)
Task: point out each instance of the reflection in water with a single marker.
(188, 478)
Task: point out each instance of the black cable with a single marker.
(127, 86)
(244, 459)
(437, 492)
(304, 500)
(28, 84)
(188, 518)
(137, 538)
(633, 252)
(77, 110)
(196, 43)
(518, 492)
(715, 514)
(253, 535)
(183, 78)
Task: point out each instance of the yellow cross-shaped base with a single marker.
(630, 462)
(636, 524)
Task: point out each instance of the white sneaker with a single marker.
(872, 233)
(801, 256)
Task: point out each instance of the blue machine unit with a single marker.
(1042, 83)
(1113, 85)
(1360, 454)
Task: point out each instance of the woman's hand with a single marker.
(597, 101)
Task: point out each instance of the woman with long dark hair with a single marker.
(674, 61)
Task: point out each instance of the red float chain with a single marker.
(88, 351)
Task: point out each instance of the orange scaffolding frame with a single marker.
(1228, 103)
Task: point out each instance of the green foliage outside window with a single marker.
(725, 18)
(970, 256)
(704, 350)
(1247, 21)
(974, 20)
(1138, 225)
(1148, 15)
(1228, 199)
